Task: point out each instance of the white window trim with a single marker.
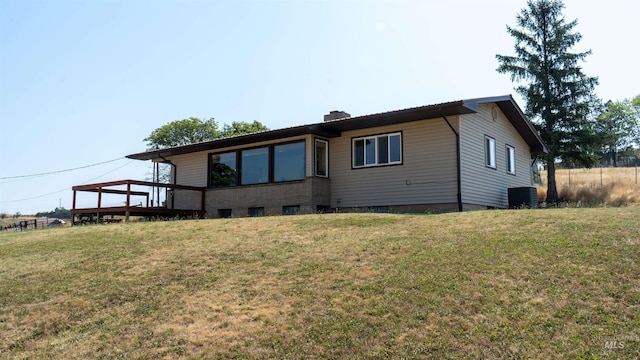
(511, 159)
(375, 138)
(326, 157)
(492, 152)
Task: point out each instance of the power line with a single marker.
(59, 171)
(66, 188)
(107, 173)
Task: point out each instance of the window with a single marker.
(377, 150)
(379, 209)
(256, 211)
(322, 158)
(222, 170)
(291, 210)
(511, 160)
(288, 162)
(224, 213)
(266, 164)
(490, 152)
(254, 166)
(323, 209)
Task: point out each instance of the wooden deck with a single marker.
(128, 189)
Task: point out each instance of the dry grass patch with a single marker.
(487, 284)
(594, 187)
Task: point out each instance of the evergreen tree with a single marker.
(559, 96)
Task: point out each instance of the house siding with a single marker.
(484, 187)
(425, 180)
(192, 170)
(427, 174)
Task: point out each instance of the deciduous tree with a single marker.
(619, 129)
(191, 131)
(183, 132)
(241, 128)
(560, 98)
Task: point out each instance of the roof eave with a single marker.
(328, 129)
(234, 141)
(334, 128)
(525, 128)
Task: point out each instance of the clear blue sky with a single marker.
(84, 82)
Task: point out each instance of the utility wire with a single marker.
(59, 171)
(107, 173)
(65, 189)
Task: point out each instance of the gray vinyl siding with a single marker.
(191, 169)
(483, 186)
(427, 174)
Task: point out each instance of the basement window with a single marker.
(224, 213)
(323, 209)
(256, 211)
(291, 210)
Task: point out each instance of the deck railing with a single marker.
(129, 189)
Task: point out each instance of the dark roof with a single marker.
(334, 128)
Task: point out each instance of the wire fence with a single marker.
(595, 176)
(31, 224)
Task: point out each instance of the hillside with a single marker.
(555, 283)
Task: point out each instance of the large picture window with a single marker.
(254, 166)
(377, 150)
(273, 163)
(222, 170)
(288, 162)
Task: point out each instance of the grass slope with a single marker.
(551, 283)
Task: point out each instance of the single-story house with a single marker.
(453, 156)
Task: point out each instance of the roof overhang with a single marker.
(400, 116)
(235, 141)
(335, 128)
(517, 118)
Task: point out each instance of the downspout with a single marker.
(458, 167)
(175, 178)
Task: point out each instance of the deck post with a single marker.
(126, 209)
(99, 202)
(126, 214)
(73, 208)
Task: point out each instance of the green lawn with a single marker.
(555, 283)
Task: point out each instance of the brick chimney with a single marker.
(335, 115)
